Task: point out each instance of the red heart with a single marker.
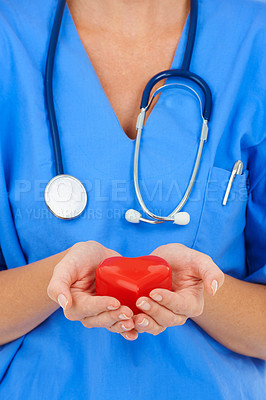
(127, 279)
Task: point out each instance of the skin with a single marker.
(24, 302)
(74, 281)
(235, 316)
(128, 42)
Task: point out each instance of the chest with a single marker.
(97, 151)
(125, 65)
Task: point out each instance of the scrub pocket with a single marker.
(220, 232)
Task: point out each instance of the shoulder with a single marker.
(25, 27)
(23, 11)
(232, 35)
(24, 20)
(234, 27)
(256, 6)
(238, 29)
(242, 15)
(248, 5)
(238, 7)
(24, 35)
(248, 15)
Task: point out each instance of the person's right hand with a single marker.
(73, 287)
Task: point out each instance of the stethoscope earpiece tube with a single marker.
(49, 86)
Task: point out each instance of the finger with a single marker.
(144, 323)
(131, 335)
(108, 318)
(163, 316)
(89, 306)
(59, 286)
(66, 272)
(201, 264)
(209, 272)
(184, 302)
(122, 327)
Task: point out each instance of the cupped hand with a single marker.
(73, 287)
(192, 273)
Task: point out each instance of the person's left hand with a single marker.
(192, 272)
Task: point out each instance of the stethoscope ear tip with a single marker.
(133, 216)
(181, 218)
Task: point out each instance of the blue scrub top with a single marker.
(61, 359)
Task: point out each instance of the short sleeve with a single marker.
(2, 261)
(255, 232)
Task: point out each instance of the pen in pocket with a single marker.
(237, 170)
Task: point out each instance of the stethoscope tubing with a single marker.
(205, 113)
(183, 73)
(48, 87)
(193, 19)
(179, 73)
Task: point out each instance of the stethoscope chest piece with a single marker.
(65, 196)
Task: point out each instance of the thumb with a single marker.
(212, 276)
(59, 288)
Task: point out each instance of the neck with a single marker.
(130, 18)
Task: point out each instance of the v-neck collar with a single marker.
(176, 63)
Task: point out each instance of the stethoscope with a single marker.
(65, 195)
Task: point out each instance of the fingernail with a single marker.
(214, 286)
(125, 329)
(123, 316)
(144, 305)
(112, 307)
(144, 322)
(62, 300)
(156, 297)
